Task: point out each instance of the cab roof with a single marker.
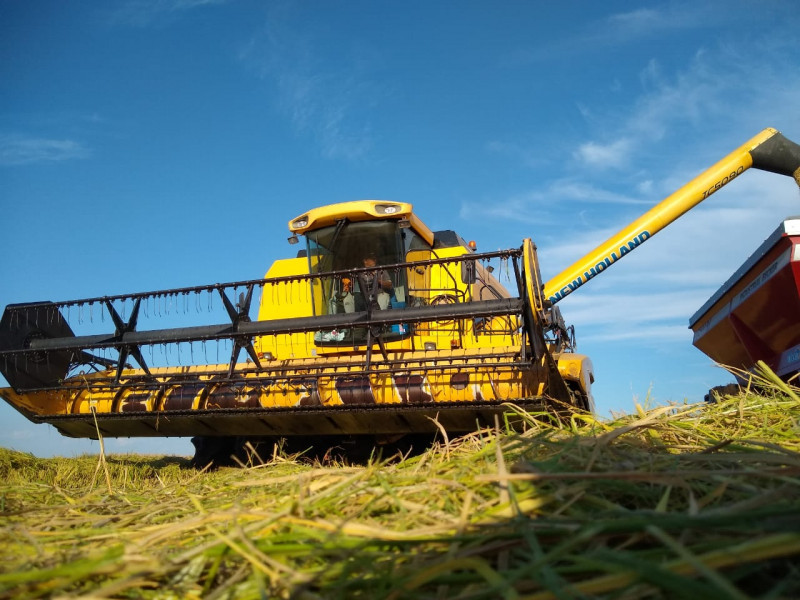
(359, 210)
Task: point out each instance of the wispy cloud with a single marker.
(536, 206)
(326, 99)
(701, 248)
(642, 19)
(680, 123)
(646, 22)
(669, 103)
(620, 29)
(326, 107)
(612, 154)
(22, 150)
(614, 317)
(142, 13)
(636, 310)
(655, 336)
(657, 288)
(719, 87)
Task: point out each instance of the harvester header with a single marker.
(378, 327)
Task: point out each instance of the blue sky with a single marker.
(162, 143)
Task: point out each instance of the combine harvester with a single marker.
(378, 328)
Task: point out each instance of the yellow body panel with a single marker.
(578, 372)
(282, 300)
(290, 299)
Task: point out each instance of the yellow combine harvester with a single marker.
(379, 327)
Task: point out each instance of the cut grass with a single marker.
(684, 501)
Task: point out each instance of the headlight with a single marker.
(300, 223)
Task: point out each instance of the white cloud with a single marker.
(573, 190)
(613, 154)
(535, 207)
(609, 308)
(646, 22)
(645, 187)
(642, 18)
(142, 13)
(700, 246)
(722, 89)
(623, 28)
(655, 335)
(652, 293)
(515, 209)
(22, 150)
(325, 107)
(330, 103)
(679, 125)
(651, 74)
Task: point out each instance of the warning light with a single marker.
(472, 245)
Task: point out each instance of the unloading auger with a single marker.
(767, 151)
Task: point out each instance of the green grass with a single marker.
(676, 502)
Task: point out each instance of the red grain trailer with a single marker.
(755, 315)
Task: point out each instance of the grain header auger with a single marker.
(379, 327)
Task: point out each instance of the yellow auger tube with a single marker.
(781, 158)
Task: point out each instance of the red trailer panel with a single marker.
(755, 315)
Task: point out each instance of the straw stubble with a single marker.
(682, 501)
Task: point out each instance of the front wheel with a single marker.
(213, 452)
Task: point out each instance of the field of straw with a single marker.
(673, 502)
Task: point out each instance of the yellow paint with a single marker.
(359, 210)
(577, 369)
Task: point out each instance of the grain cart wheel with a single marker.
(720, 391)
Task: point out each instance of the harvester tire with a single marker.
(212, 452)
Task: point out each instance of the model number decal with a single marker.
(722, 182)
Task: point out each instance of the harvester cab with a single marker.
(378, 327)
